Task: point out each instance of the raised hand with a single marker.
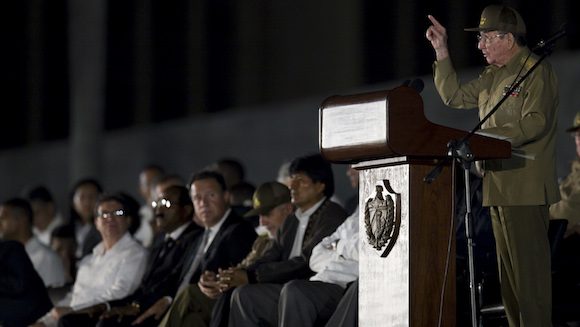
(437, 35)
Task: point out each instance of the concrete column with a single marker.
(87, 44)
(34, 71)
(253, 51)
(143, 63)
(196, 78)
(290, 48)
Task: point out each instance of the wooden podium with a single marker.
(407, 238)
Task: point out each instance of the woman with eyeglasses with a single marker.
(115, 267)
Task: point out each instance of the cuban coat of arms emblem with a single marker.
(382, 218)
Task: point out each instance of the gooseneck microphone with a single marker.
(543, 44)
(416, 84)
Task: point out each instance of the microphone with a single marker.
(416, 84)
(551, 40)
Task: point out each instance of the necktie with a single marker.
(196, 261)
(167, 246)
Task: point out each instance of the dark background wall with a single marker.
(187, 82)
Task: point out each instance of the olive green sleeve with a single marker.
(451, 91)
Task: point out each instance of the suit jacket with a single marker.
(275, 266)
(230, 246)
(23, 297)
(161, 276)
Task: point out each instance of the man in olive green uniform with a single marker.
(569, 207)
(520, 189)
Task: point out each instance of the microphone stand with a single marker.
(460, 151)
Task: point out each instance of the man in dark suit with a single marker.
(173, 215)
(23, 297)
(227, 239)
(311, 186)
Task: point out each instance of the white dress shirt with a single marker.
(303, 219)
(46, 262)
(335, 258)
(45, 235)
(212, 232)
(109, 275)
(177, 232)
(215, 229)
(106, 275)
(144, 233)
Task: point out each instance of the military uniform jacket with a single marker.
(527, 119)
(275, 266)
(569, 206)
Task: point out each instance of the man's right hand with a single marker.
(437, 35)
(59, 312)
(208, 285)
(232, 277)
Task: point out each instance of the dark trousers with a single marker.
(73, 320)
(220, 314)
(346, 313)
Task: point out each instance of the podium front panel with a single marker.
(405, 235)
(384, 281)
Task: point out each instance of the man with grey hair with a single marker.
(527, 119)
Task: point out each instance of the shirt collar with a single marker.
(33, 244)
(99, 250)
(519, 59)
(302, 215)
(215, 228)
(177, 232)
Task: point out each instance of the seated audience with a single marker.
(16, 224)
(173, 215)
(115, 267)
(346, 313)
(241, 201)
(569, 206)
(148, 178)
(272, 204)
(84, 196)
(63, 243)
(566, 281)
(46, 216)
(335, 262)
(227, 239)
(23, 297)
(316, 217)
(231, 169)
